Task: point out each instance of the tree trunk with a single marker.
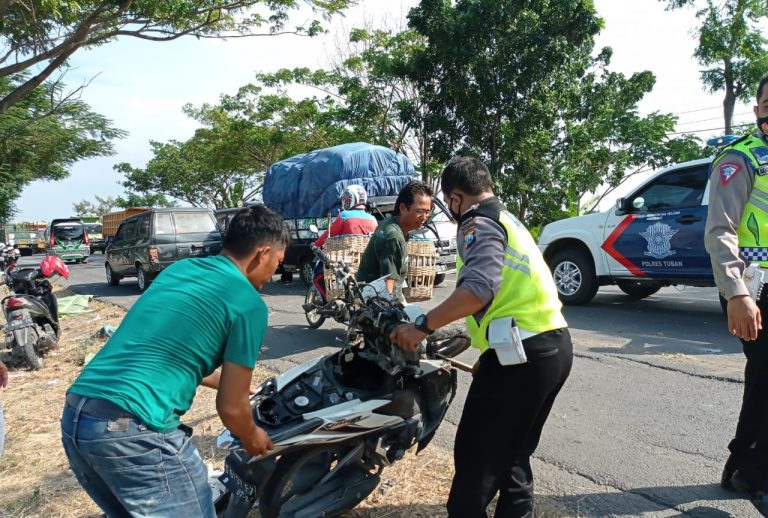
(729, 102)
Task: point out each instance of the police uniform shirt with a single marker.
(729, 190)
(480, 242)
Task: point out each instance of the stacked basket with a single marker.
(420, 279)
(347, 249)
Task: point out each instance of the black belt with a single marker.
(97, 407)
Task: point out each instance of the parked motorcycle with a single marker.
(31, 313)
(338, 420)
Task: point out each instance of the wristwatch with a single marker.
(421, 324)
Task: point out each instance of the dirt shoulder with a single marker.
(34, 474)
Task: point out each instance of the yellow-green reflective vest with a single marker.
(753, 228)
(527, 290)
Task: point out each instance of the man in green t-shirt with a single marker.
(387, 251)
(120, 426)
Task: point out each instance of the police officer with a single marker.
(501, 274)
(737, 235)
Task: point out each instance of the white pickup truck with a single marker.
(653, 237)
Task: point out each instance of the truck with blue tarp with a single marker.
(305, 190)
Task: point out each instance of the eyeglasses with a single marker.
(421, 212)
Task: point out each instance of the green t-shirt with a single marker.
(196, 314)
(386, 254)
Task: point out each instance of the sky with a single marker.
(141, 86)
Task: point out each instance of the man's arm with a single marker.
(212, 380)
(234, 408)
(3, 375)
(730, 185)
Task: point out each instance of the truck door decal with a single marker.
(611, 251)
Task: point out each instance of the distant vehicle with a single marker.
(98, 243)
(147, 243)
(68, 238)
(654, 237)
(27, 237)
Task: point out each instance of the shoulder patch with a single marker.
(760, 153)
(727, 171)
(469, 236)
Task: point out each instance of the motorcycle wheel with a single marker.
(28, 350)
(295, 484)
(449, 341)
(235, 507)
(314, 318)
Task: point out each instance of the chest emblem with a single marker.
(658, 237)
(761, 154)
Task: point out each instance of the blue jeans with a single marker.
(131, 470)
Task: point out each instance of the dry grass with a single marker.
(35, 480)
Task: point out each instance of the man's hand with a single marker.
(3, 375)
(258, 443)
(744, 319)
(234, 408)
(407, 337)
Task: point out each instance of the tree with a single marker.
(103, 205)
(518, 84)
(223, 164)
(149, 199)
(732, 49)
(41, 136)
(376, 97)
(42, 35)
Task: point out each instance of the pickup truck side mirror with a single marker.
(109, 241)
(622, 206)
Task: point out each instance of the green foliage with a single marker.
(732, 48)
(43, 134)
(103, 205)
(374, 93)
(132, 199)
(44, 33)
(518, 85)
(224, 162)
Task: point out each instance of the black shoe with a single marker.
(743, 486)
(725, 478)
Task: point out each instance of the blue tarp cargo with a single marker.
(309, 185)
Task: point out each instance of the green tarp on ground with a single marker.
(73, 305)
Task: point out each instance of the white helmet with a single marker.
(353, 195)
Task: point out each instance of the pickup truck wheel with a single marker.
(439, 278)
(638, 290)
(574, 277)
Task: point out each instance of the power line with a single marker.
(720, 128)
(710, 119)
(699, 110)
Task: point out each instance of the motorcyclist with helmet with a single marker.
(352, 220)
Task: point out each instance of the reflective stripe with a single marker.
(760, 194)
(517, 255)
(517, 266)
(757, 202)
(754, 253)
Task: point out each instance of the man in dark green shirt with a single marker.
(387, 251)
(120, 426)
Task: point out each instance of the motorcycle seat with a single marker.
(25, 274)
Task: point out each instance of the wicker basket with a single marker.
(420, 279)
(348, 249)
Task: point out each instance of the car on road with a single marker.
(98, 243)
(147, 243)
(652, 238)
(68, 239)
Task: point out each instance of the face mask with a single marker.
(454, 215)
(762, 125)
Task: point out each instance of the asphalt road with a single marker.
(641, 426)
